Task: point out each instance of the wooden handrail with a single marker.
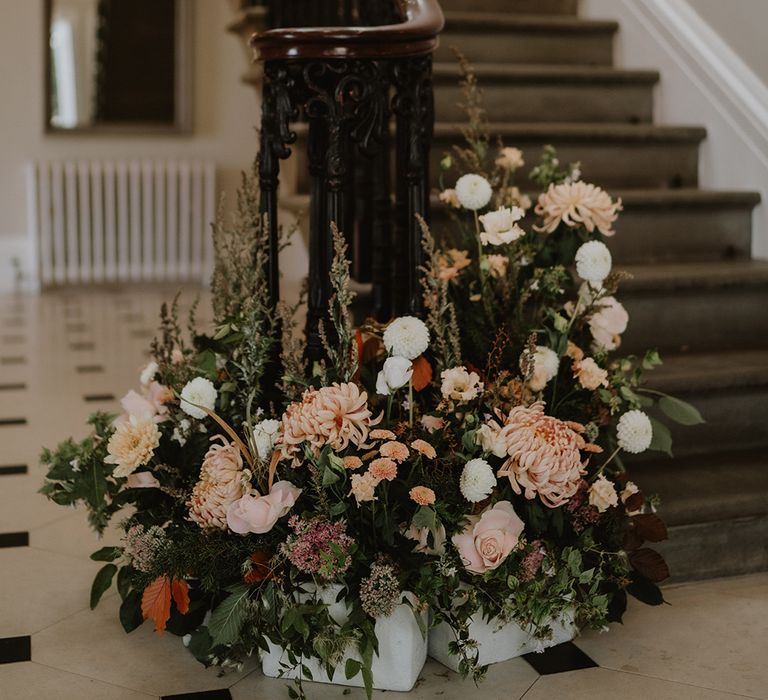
(416, 35)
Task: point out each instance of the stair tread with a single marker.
(688, 372)
(544, 73)
(501, 21)
(707, 488)
(710, 274)
(686, 196)
(589, 132)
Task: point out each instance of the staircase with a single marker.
(694, 293)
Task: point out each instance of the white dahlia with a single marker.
(473, 191)
(407, 337)
(477, 480)
(593, 262)
(198, 392)
(634, 432)
(500, 227)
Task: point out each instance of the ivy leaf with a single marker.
(107, 554)
(425, 517)
(352, 668)
(227, 619)
(662, 438)
(680, 411)
(422, 373)
(156, 602)
(101, 583)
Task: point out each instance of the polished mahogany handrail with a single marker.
(416, 35)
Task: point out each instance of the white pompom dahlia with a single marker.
(407, 337)
(477, 480)
(593, 262)
(634, 432)
(473, 191)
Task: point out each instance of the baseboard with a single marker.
(17, 264)
(703, 81)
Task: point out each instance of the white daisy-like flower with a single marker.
(407, 337)
(634, 432)
(200, 392)
(477, 480)
(545, 366)
(473, 191)
(500, 227)
(264, 435)
(148, 373)
(593, 262)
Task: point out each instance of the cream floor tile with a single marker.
(73, 536)
(603, 684)
(40, 588)
(707, 639)
(21, 507)
(507, 680)
(31, 681)
(750, 586)
(93, 644)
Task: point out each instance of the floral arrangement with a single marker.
(472, 473)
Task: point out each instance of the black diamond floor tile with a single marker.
(559, 659)
(14, 539)
(15, 649)
(222, 694)
(9, 469)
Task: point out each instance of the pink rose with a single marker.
(142, 480)
(258, 514)
(489, 538)
(149, 404)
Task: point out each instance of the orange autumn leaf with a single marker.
(156, 602)
(422, 373)
(180, 593)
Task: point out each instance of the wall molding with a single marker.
(702, 81)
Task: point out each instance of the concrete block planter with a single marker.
(497, 643)
(402, 650)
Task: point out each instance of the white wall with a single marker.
(742, 25)
(703, 81)
(225, 113)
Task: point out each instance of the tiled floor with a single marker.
(64, 354)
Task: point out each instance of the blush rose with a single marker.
(488, 539)
(258, 514)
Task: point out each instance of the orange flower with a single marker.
(394, 450)
(383, 468)
(382, 434)
(352, 462)
(424, 448)
(422, 495)
(260, 568)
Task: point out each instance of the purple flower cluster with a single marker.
(319, 546)
(532, 561)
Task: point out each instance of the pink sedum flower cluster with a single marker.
(311, 549)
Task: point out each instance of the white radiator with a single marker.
(121, 221)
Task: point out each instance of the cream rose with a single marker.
(590, 374)
(460, 385)
(488, 436)
(420, 535)
(602, 494)
(396, 373)
(488, 539)
(608, 323)
(500, 227)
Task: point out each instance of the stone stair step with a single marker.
(720, 486)
(518, 7)
(667, 226)
(696, 307)
(716, 506)
(684, 225)
(613, 155)
(521, 93)
(730, 389)
(502, 36)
